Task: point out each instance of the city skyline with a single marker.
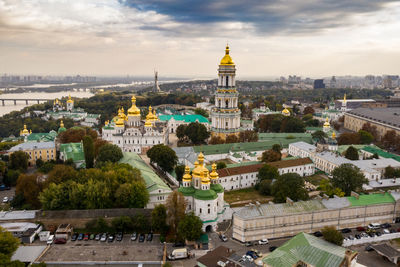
(311, 39)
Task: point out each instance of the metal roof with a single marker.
(389, 116)
(371, 199)
(17, 215)
(186, 118)
(32, 146)
(28, 253)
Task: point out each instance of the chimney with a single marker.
(354, 194)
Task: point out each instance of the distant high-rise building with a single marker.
(319, 84)
(332, 83)
(156, 86)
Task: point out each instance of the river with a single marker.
(9, 105)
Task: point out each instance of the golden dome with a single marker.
(134, 110)
(62, 124)
(187, 177)
(214, 173)
(206, 178)
(333, 135)
(69, 99)
(286, 112)
(200, 158)
(119, 122)
(149, 115)
(148, 123)
(227, 60)
(326, 124)
(25, 131)
(199, 168)
(121, 114)
(155, 118)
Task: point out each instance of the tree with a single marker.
(176, 207)
(232, 138)
(389, 139)
(190, 227)
(390, 172)
(19, 161)
(39, 163)
(122, 224)
(132, 195)
(179, 171)
(319, 135)
(159, 218)
(98, 143)
(348, 178)
(76, 134)
(164, 156)
(248, 136)
(308, 110)
(267, 172)
(109, 152)
(61, 173)
(29, 186)
(349, 139)
(270, 156)
(277, 148)
(215, 140)
(326, 187)
(196, 132)
(332, 235)
(180, 132)
(201, 112)
(88, 149)
(11, 177)
(265, 187)
(371, 129)
(289, 185)
(365, 137)
(351, 153)
(221, 165)
(8, 243)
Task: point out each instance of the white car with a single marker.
(263, 241)
(386, 231)
(5, 199)
(50, 240)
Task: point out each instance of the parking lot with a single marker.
(91, 250)
(6, 193)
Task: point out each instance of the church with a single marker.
(132, 134)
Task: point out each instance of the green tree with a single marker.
(326, 187)
(29, 186)
(289, 185)
(132, 195)
(164, 156)
(39, 163)
(179, 171)
(351, 153)
(140, 223)
(53, 197)
(332, 235)
(349, 139)
(267, 172)
(221, 165)
(270, 156)
(277, 148)
(201, 112)
(88, 149)
(11, 177)
(176, 207)
(180, 132)
(348, 178)
(159, 219)
(61, 173)
(189, 227)
(19, 161)
(265, 187)
(389, 172)
(122, 224)
(365, 137)
(109, 152)
(308, 110)
(196, 132)
(319, 135)
(8, 243)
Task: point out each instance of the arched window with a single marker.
(226, 103)
(227, 81)
(219, 101)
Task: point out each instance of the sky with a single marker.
(187, 38)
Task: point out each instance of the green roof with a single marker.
(42, 137)
(205, 194)
(73, 151)
(343, 148)
(217, 188)
(380, 152)
(187, 191)
(306, 248)
(371, 199)
(313, 129)
(152, 180)
(186, 118)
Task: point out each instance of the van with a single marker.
(50, 240)
(374, 226)
(180, 253)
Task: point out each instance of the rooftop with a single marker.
(73, 151)
(221, 253)
(290, 163)
(152, 180)
(186, 118)
(28, 253)
(371, 199)
(389, 116)
(32, 146)
(239, 170)
(304, 146)
(309, 249)
(43, 137)
(380, 152)
(17, 215)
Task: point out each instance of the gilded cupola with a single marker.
(134, 110)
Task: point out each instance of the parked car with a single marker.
(141, 238)
(248, 244)
(386, 225)
(97, 238)
(223, 238)
(110, 238)
(346, 230)
(371, 234)
(251, 254)
(103, 237)
(263, 241)
(248, 257)
(4, 187)
(86, 237)
(360, 229)
(358, 236)
(134, 236)
(149, 237)
(318, 234)
(369, 248)
(364, 235)
(50, 240)
(272, 248)
(350, 237)
(60, 241)
(80, 237)
(374, 226)
(74, 237)
(258, 253)
(393, 231)
(178, 244)
(119, 236)
(91, 237)
(378, 233)
(5, 199)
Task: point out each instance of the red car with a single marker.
(60, 241)
(360, 229)
(86, 237)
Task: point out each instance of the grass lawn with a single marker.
(314, 179)
(241, 197)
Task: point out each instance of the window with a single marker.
(200, 210)
(227, 81)
(226, 103)
(208, 211)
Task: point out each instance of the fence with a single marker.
(364, 240)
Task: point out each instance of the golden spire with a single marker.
(200, 158)
(214, 173)
(333, 135)
(327, 124)
(227, 60)
(62, 124)
(344, 98)
(205, 179)
(69, 99)
(155, 118)
(25, 130)
(187, 177)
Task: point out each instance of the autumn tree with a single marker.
(270, 156)
(176, 207)
(19, 160)
(332, 235)
(61, 173)
(215, 140)
(326, 187)
(29, 186)
(76, 134)
(371, 129)
(232, 138)
(248, 136)
(308, 110)
(348, 139)
(159, 218)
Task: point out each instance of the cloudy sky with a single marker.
(187, 37)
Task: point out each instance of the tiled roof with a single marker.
(290, 163)
(239, 170)
(309, 249)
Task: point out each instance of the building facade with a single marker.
(132, 134)
(225, 116)
(45, 151)
(174, 121)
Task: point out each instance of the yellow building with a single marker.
(36, 150)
